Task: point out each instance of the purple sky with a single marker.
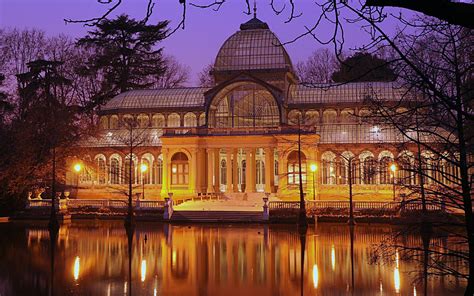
(205, 31)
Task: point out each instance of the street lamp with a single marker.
(313, 167)
(77, 168)
(393, 168)
(143, 168)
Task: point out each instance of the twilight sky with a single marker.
(205, 31)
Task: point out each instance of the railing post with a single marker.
(266, 213)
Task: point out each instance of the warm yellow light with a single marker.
(393, 167)
(396, 280)
(313, 167)
(77, 266)
(333, 257)
(315, 276)
(173, 169)
(78, 167)
(143, 274)
(143, 167)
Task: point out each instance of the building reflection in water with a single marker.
(209, 260)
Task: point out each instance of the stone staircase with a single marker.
(216, 216)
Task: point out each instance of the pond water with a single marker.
(92, 258)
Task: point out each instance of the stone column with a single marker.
(250, 170)
(193, 172)
(210, 158)
(165, 174)
(269, 168)
(217, 166)
(282, 172)
(235, 173)
(228, 154)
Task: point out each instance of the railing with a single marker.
(98, 203)
(272, 205)
(39, 203)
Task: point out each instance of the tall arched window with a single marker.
(146, 176)
(115, 163)
(368, 167)
(202, 119)
(294, 169)
(328, 169)
(130, 161)
(260, 173)
(244, 105)
(386, 175)
(190, 120)
(223, 174)
(346, 158)
(174, 120)
(101, 169)
(158, 170)
(179, 169)
(347, 115)
(86, 172)
(406, 169)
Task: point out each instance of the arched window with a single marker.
(86, 172)
(293, 168)
(223, 167)
(179, 169)
(114, 122)
(329, 116)
(146, 161)
(158, 170)
(143, 120)
(364, 115)
(386, 175)
(243, 169)
(347, 115)
(158, 120)
(101, 169)
(190, 120)
(275, 168)
(368, 167)
(427, 158)
(260, 173)
(328, 169)
(346, 158)
(104, 122)
(202, 119)
(311, 117)
(174, 120)
(293, 117)
(130, 164)
(244, 105)
(405, 168)
(115, 164)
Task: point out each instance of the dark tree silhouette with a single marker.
(125, 54)
(363, 67)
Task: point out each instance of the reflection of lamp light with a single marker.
(143, 269)
(414, 290)
(396, 279)
(333, 257)
(77, 167)
(77, 264)
(315, 276)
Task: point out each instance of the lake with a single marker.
(92, 258)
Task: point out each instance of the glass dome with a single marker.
(254, 47)
(243, 105)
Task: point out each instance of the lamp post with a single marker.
(393, 168)
(313, 167)
(143, 168)
(77, 168)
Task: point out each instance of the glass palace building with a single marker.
(241, 135)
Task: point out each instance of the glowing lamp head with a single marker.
(174, 170)
(143, 167)
(313, 167)
(393, 167)
(77, 167)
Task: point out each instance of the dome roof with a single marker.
(254, 47)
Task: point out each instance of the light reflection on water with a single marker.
(92, 258)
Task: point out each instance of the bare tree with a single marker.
(205, 77)
(175, 74)
(318, 68)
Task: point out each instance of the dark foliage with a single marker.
(363, 67)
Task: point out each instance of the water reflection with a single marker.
(204, 260)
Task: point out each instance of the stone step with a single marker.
(217, 216)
